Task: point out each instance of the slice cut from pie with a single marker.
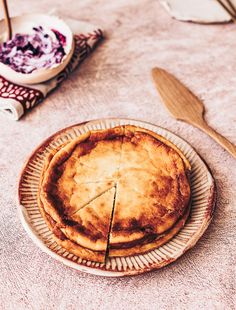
(89, 226)
(86, 233)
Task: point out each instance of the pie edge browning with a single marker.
(59, 155)
(134, 129)
(68, 245)
(156, 243)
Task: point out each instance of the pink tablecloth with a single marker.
(115, 81)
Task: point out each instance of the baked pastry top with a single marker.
(116, 192)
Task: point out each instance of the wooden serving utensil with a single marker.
(185, 106)
(7, 19)
(229, 8)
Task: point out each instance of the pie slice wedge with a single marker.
(89, 227)
(86, 235)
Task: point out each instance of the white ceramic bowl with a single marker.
(24, 24)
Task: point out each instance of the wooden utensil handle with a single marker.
(7, 19)
(225, 143)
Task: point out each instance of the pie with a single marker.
(115, 192)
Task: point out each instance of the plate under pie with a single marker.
(114, 195)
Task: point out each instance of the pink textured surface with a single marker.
(115, 81)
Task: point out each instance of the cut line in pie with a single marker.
(140, 178)
(87, 234)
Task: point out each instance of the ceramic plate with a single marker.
(203, 201)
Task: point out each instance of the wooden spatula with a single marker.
(185, 106)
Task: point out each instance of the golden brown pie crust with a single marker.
(128, 182)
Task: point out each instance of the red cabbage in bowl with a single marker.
(28, 52)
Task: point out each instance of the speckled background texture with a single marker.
(115, 82)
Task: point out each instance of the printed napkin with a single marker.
(16, 100)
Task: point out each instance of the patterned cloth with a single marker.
(16, 100)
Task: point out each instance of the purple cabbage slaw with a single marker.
(26, 53)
